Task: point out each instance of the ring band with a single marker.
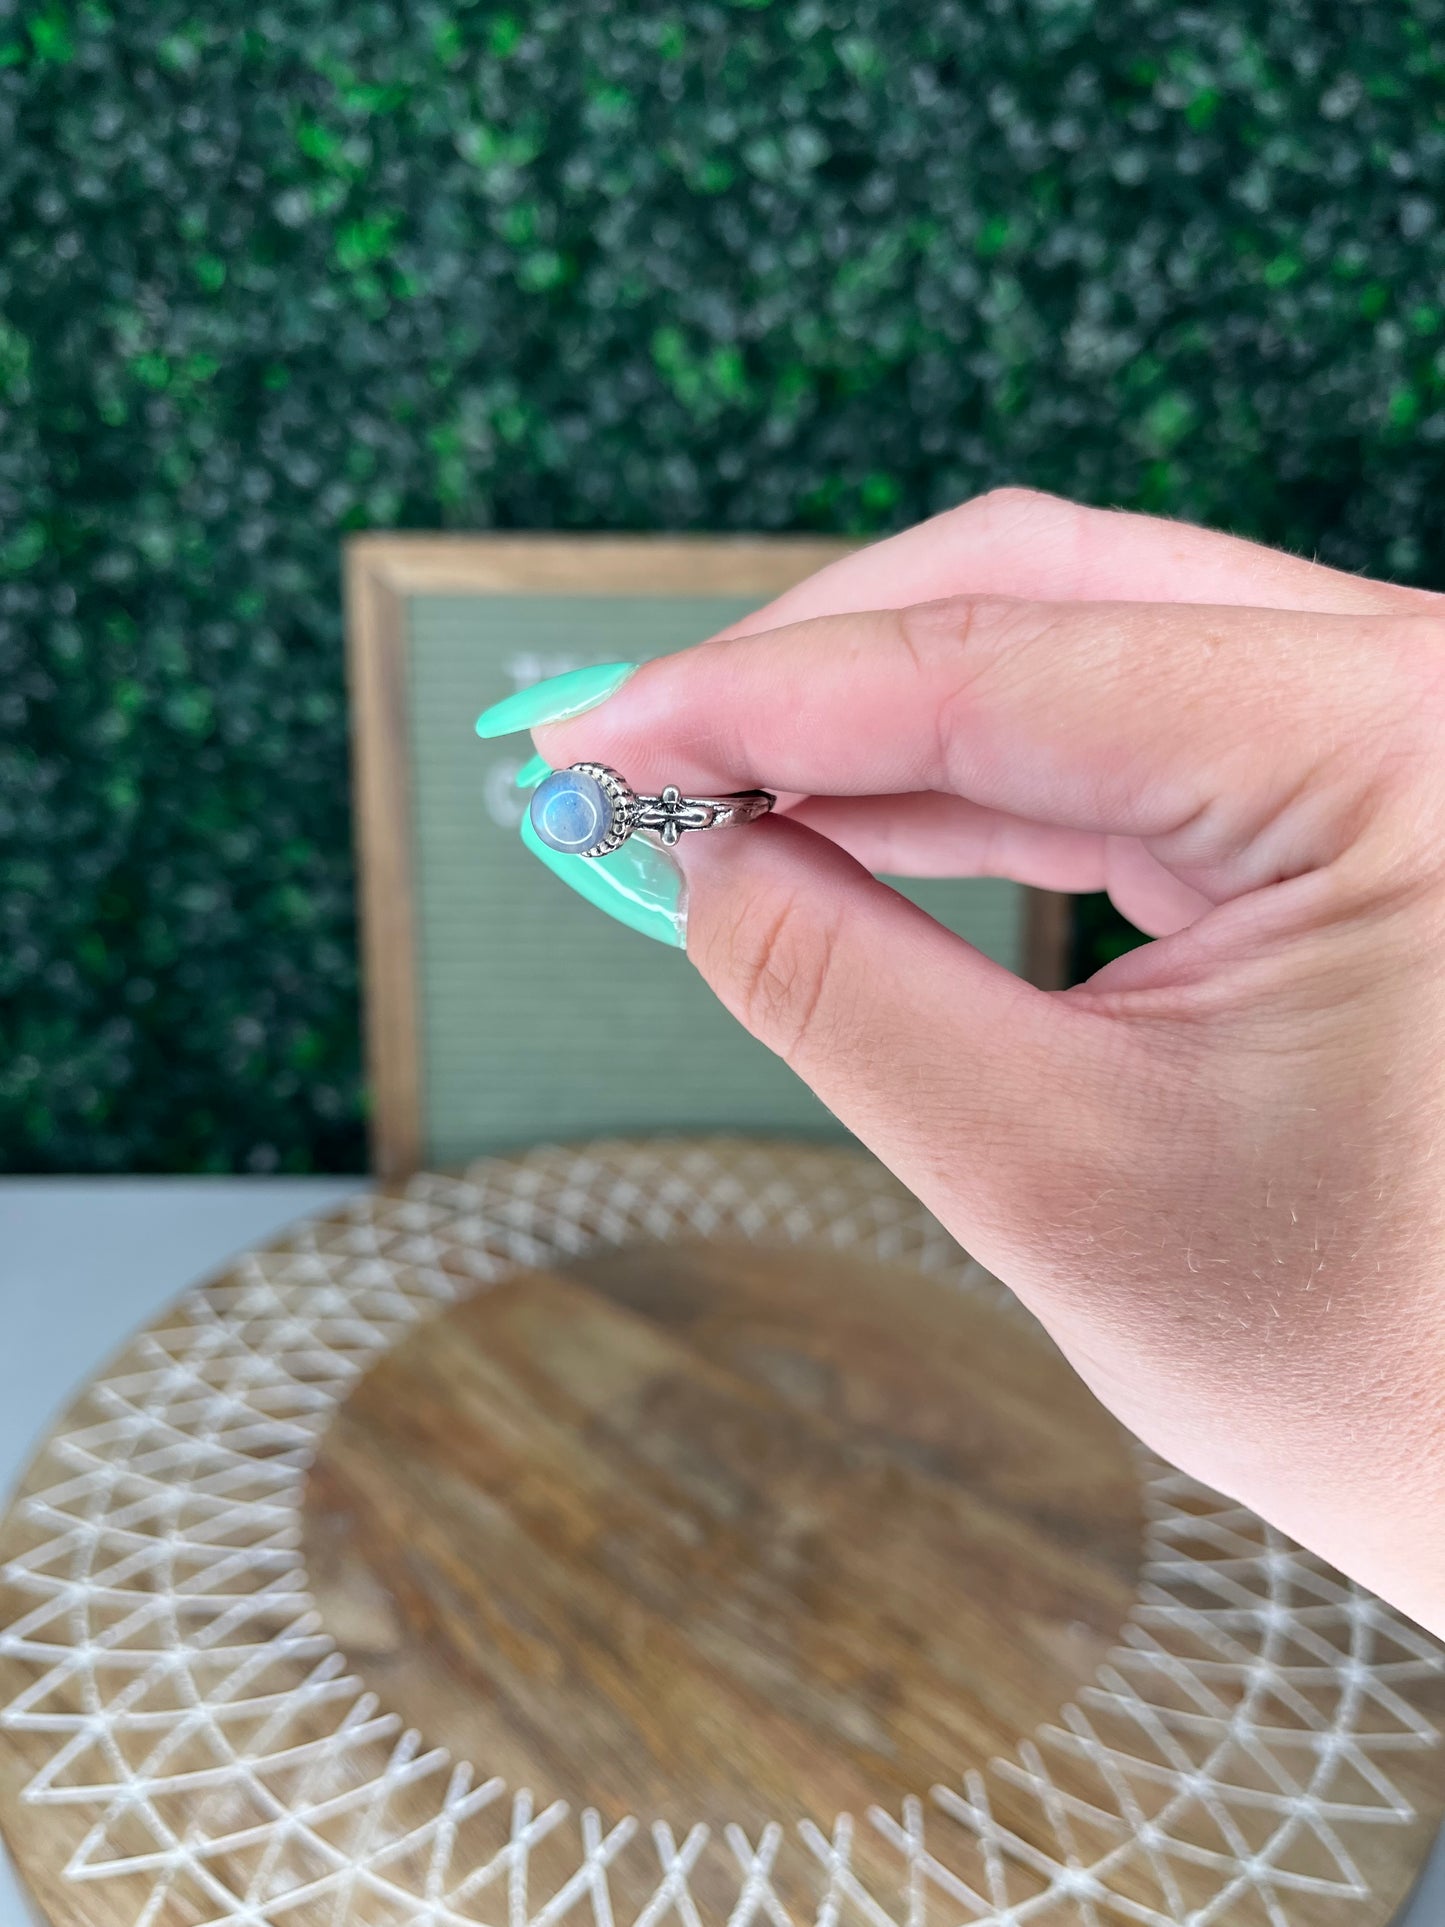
(588, 810)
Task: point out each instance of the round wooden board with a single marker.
(761, 1557)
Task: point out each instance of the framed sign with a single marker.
(477, 1037)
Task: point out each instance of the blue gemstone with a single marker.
(571, 812)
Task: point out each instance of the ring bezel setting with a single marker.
(617, 816)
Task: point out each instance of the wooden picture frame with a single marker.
(382, 574)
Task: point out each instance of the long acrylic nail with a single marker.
(556, 699)
(637, 885)
(532, 772)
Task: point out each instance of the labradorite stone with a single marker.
(570, 811)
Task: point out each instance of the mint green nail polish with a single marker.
(637, 885)
(532, 772)
(556, 699)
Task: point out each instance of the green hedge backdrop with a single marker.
(274, 272)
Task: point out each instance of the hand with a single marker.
(1215, 1171)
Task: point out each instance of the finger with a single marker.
(925, 835)
(1152, 898)
(936, 1057)
(1139, 720)
(1018, 542)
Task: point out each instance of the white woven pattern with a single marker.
(228, 1769)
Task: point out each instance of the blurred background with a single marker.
(270, 274)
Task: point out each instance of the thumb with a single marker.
(923, 1047)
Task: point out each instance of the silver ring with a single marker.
(588, 810)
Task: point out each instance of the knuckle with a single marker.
(941, 632)
(781, 966)
(1013, 511)
(935, 635)
(1015, 514)
(1015, 503)
(953, 647)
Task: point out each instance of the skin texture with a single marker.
(1215, 1170)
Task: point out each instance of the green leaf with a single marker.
(50, 36)
(365, 241)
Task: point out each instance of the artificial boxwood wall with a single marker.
(271, 273)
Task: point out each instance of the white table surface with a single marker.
(84, 1262)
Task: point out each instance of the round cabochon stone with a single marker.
(571, 812)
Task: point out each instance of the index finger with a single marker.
(1125, 718)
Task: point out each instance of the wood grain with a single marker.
(381, 810)
(713, 1530)
(702, 565)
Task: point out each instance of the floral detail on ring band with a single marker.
(672, 813)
